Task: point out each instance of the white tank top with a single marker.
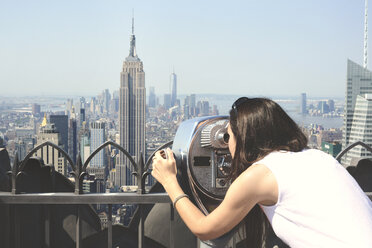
(319, 203)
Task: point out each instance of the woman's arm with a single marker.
(251, 187)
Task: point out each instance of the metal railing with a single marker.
(79, 199)
(348, 148)
(351, 146)
(141, 197)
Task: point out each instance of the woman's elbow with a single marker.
(206, 231)
(206, 234)
(203, 236)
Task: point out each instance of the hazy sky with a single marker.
(250, 47)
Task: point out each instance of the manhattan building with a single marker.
(51, 156)
(61, 124)
(361, 129)
(98, 163)
(152, 98)
(97, 138)
(357, 121)
(303, 109)
(174, 89)
(359, 83)
(132, 109)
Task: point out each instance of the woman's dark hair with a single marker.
(260, 126)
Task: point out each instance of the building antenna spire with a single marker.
(365, 57)
(132, 21)
(132, 50)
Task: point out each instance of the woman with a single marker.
(308, 197)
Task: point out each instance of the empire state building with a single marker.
(132, 113)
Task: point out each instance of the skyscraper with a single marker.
(82, 102)
(106, 100)
(72, 139)
(93, 105)
(323, 107)
(331, 105)
(114, 103)
(97, 138)
(192, 104)
(360, 129)
(152, 98)
(186, 108)
(84, 143)
(81, 117)
(35, 109)
(61, 124)
(167, 101)
(174, 89)
(69, 105)
(51, 156)
(359, 82)
(303, 109)
(204, 108)
(132, 105)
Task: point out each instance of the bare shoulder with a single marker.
(263, 183)
(256, 173)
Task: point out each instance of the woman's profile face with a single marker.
(232, 141)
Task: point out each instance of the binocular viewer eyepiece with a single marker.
(203, 159)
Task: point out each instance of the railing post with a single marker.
(78, 228)
(8, 221)
(41, 152)
(47, 216)
(79, 175)
(171, 233)
(109, 226)
(15, 224)
(47, 155)
(17, 228)
(54, 158)
(14, 173)
(141, 229)
(141, 176)
(14, 220)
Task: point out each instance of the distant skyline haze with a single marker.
(266, 48)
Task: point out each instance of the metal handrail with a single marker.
(77, 199)
(74, 199)
(141, 171)
(348, 148)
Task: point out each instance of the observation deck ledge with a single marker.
(72, 198)
(97, 198)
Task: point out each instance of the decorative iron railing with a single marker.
(79, 171)
(351, 146)
(78, 198)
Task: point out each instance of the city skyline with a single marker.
(76, 48)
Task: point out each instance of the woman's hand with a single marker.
(164, 169)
